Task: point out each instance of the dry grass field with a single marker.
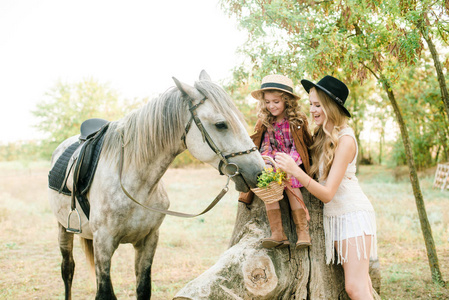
(30, 258)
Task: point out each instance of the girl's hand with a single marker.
(286, 163)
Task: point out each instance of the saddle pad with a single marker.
(88, 161)
(56, 176)
(84, 169)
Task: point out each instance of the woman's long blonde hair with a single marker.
(325, 142)
(293, 111)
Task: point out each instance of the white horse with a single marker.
(152, 137)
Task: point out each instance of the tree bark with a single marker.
(248, 271)
(357, 130)
(437, 64)
(420, 205)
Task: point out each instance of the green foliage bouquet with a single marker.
(269, 175)
(270, 184)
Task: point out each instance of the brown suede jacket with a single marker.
(302, 140)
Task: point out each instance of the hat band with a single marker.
(276, 85)
(339, 101)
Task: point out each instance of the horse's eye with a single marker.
(221, 125)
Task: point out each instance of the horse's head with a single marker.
(215, 132)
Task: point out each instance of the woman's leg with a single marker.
(357, 280)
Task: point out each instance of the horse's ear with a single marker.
(204, 76)
(186, 89)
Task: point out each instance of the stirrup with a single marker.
(73, 230)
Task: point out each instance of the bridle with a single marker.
(206, 137)
(230, 169)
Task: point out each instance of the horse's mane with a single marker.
(157, 127)
(221, 102)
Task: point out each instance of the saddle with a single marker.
(73, 172)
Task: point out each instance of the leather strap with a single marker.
(301, 202)
(169, 212)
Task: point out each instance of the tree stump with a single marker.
(248, 271)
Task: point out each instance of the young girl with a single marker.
(349, 219)
(282, 127)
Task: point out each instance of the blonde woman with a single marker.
(282, 127)
(349, 218)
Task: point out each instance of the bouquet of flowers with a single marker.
(270, 184)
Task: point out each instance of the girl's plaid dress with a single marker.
(279, 139)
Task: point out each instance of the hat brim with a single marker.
(309, 84)
(257, 94)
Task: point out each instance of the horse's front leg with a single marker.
(68, 264)
(104, 248)
(144, 255)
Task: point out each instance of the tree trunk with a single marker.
(355, 107)
(381, 142)
(444, 133)
(437, 64)
(425, 225)
(248, 271)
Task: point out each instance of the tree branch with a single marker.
(369, 69)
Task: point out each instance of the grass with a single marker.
(402, 252)
(30, 258)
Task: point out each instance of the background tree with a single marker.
(431, 19)
(66, 106)
(361, 105)
(421, 102)
(352, 41)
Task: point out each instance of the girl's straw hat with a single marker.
(275, 82)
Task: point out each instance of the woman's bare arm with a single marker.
(344, 154)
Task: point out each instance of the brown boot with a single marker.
(278, 239)
(302, 228)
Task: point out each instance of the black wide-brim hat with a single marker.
(334, 88)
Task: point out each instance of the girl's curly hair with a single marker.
(293, 111)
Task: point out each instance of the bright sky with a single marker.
(136, 46)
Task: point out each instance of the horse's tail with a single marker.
(88, 248)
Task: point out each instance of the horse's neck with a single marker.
(150, 174)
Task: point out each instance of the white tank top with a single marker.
(343, 214)
(349, 196)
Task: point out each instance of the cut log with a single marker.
(248, 271)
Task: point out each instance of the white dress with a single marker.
(349, 214)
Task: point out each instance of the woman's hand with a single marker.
(286, 163)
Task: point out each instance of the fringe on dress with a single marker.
(342, 223)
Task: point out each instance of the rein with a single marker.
(230, 169)
(175, 213)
